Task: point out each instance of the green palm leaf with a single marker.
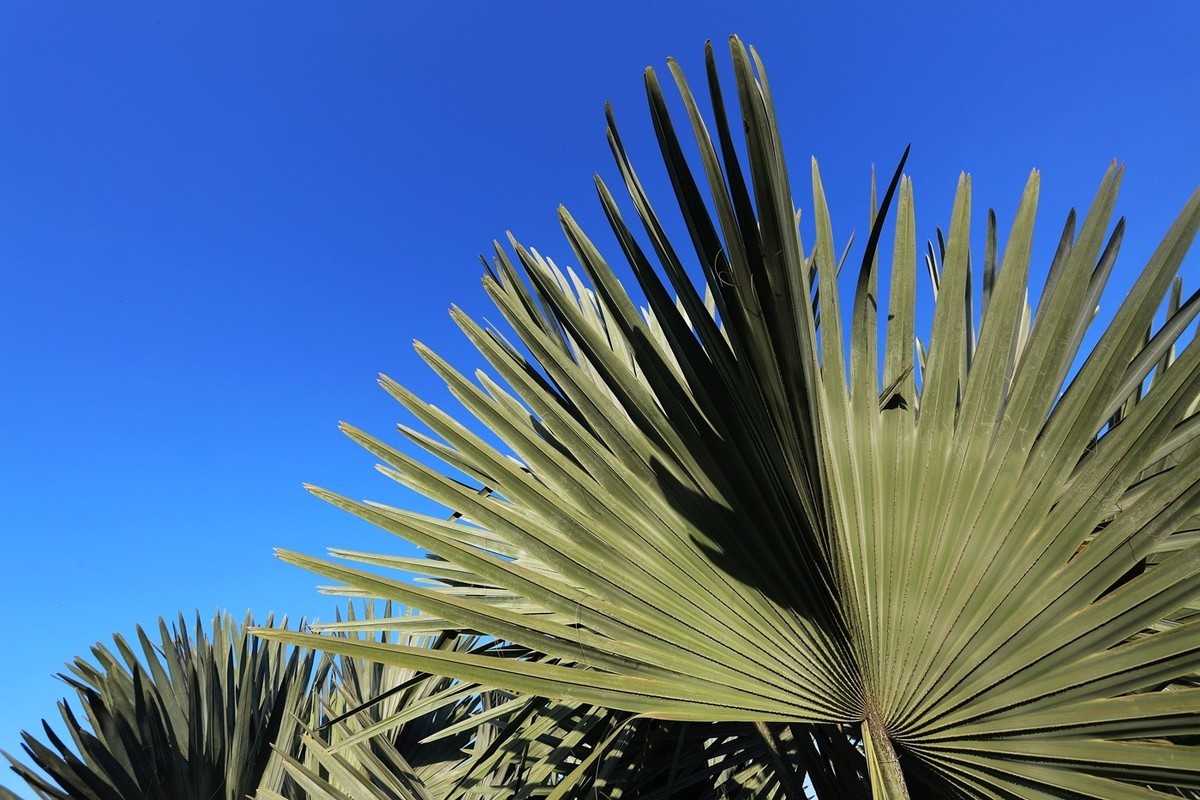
(983, 558)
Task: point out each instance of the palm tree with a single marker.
(748, 504)
(190, 716)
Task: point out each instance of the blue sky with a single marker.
(219, 221)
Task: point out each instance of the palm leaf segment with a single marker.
(727, 512)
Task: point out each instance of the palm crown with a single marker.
(187, 716)
(736, 506)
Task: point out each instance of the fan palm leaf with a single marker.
(739, 506)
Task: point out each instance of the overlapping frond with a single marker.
(386, 732)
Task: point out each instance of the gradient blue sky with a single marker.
(219, 221)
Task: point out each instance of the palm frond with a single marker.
(981, 556)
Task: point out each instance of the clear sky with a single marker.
(219, 221)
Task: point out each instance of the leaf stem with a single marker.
(887, 778)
